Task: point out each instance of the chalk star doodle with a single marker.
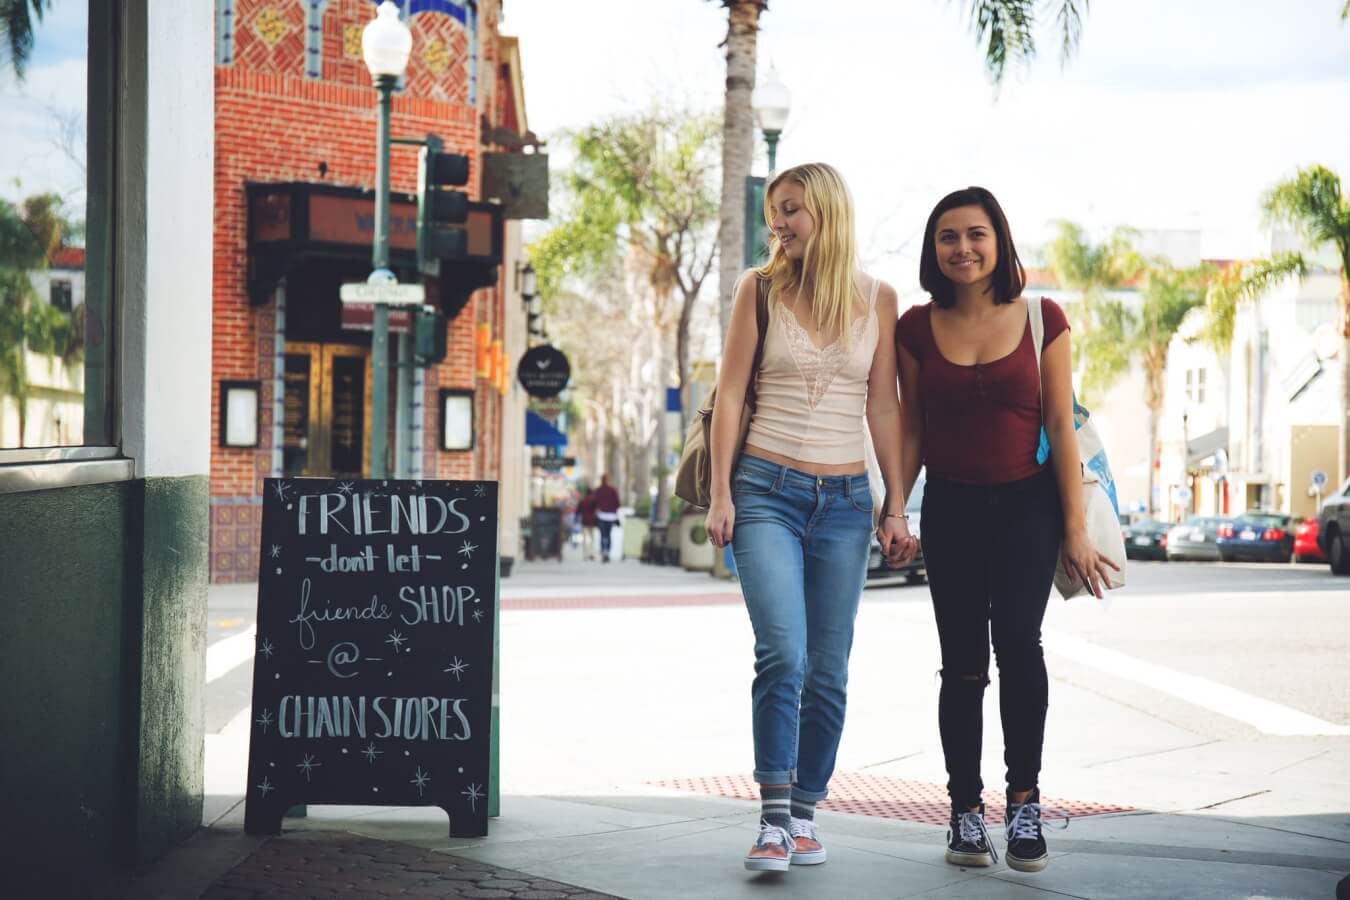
(420, 779)
(456, 667)
(396, 639)
(345, 487)
(370, 753)
(480, 490)
(265, 786)
(280, 489)
(276, 550)
(266, 648)
(478, 615)
(467, 550)
(308, 765)
(474, 793)
(265, 719)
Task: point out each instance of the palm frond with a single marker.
(1005, 27)
(1244, 283)
(1070, 20)
(17, 18)
(1313, 203)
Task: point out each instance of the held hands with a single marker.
(1083, 562)
(898, 546)
(720, 521)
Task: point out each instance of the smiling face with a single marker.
(967, 248)
(792, 224)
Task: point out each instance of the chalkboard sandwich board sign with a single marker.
(372, 682)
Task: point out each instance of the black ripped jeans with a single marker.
(990, 551)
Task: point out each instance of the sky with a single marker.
(1174, 114)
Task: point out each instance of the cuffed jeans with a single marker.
(990, 551)
(801, 544)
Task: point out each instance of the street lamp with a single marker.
(772, 102)
(385, 45)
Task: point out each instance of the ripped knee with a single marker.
(982, 679)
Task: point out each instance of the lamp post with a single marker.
(772, 102)
(385, 45)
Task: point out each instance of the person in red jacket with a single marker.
(606, 513)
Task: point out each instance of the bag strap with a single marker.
(762, 326)
(1037, 318)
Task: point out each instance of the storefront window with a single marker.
(55, 328)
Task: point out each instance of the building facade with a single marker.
(294, 173)
(103, 529)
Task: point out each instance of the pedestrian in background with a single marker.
(994, 520)
(587, 521)
(794, 502)
(606, 514)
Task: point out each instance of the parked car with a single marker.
(1196, 538)
(1306, 548)
(1257, 536)
(1146, 539)
(1333, 523)
(914, 572)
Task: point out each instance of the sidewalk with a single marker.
(616, 784)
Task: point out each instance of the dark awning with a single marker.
(1206, 445)
(540, 433)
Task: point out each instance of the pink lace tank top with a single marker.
(811, 400)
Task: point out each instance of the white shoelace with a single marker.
(803, 828)
(773, 835)
(1025, 822)
(973, 831)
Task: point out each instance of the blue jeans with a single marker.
(801, 544)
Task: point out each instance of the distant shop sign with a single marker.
(544, 371)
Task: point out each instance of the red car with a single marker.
(1305, 543)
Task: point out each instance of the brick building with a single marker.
(296, 124)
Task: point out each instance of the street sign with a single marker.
(553, 463)
(543, 371)
(1183, 494)
(1319, 479)
(393, 294)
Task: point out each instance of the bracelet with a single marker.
(896, 516)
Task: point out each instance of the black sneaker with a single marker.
(1025, 831)
(968, 842)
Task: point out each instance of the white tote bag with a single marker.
(1103, 525)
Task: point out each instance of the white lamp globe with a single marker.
(386, 43)
(772, 102)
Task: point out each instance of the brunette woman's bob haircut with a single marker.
(1009, 277)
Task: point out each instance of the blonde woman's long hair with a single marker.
(830, 261)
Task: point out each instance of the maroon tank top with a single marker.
(982, 423)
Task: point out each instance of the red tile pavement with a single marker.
(885, 798)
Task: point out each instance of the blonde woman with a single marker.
(794, 503)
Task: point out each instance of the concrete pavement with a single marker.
(642, 677)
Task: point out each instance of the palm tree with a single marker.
(16, 30)
(1092, 270)
(1123, 335)
(1316, 206)
(738, 144)
(1006, 28)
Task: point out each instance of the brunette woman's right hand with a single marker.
(720, 521)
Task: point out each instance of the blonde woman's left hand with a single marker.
(898, 546)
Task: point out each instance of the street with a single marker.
(1209, 689)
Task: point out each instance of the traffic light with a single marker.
(438, 208)
(428, 336)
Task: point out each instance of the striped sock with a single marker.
(775, 805)
(802, 808)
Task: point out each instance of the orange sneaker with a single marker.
(806, 847)
(772, 851)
